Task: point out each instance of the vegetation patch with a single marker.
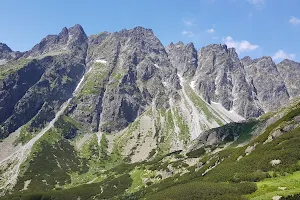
(94, 82)
(196, 153)
(108, 189)
(12, 67)
(204, 190)
(51, 159)
(202, 106)
(277, 186)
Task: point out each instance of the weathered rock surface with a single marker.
(135, 65)
(220, 77)
(7, 54)
(183, 58)
(290, 72)
(267, 83)
(33, 92)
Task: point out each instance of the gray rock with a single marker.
(220, 77)
(137, 66)
(290, 72)
(183, 58)
(268, 85)
(7, 54)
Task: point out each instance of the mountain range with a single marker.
(121, 112)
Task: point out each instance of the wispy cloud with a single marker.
(215, 38)
(189, 22)
(294, 20)
(281, 55)
(187, 33)
(257, 3)
(210, 30)
(240, 46)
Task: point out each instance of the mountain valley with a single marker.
(120, 116)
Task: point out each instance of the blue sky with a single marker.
(254, 27)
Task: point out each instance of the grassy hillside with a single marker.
(260, 161)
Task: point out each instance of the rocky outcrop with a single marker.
(267, 83)
(220, 77)
(135, 65)
(14, 86)
(68, 41)
(128, 71)
(7, 54)
(290, 73)
(33, 92)
(183, 58)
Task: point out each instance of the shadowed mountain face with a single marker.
(122, 97)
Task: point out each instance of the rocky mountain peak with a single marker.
(215, 48)
(7, 54)
(246, 60)
(64, 32)
(287, 62)
(290, 72)
(190, 45)
(4, 48)
(268, 84)
(70, 39)
(77, 31)
(183, 58)
(138, 31)
(180, 43)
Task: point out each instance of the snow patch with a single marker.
(158, 67)
(193, 85)
(165, 84)
(198, 120)
(99, 137)
(228, 116)
(101, 61)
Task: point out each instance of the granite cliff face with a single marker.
(267, 82)
(123, 97)
(183, 58)
(35, 86)
(290, 72)
(7, 54)
(221, 78)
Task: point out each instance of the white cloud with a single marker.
(294, 20)
(188, 22)
(240, 46)
(211, 30)
(256, 2)
(259, 4)
(187, 33)
(281, 55)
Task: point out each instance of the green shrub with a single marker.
(196, 153)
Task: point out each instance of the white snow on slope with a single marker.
(101, 61)
(226, 114)
(193, 85)
(158, 67)
(198, 121)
